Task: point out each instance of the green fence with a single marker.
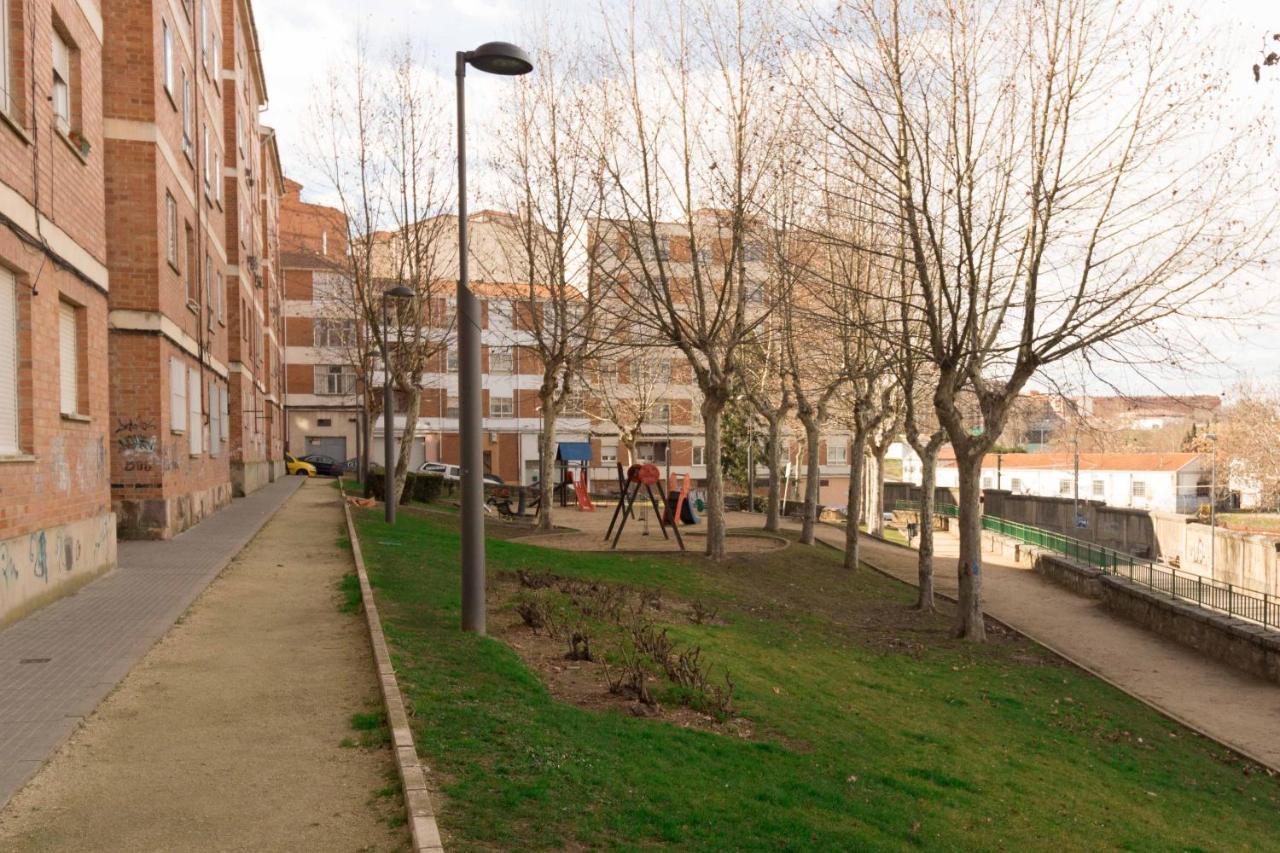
(1228, 598)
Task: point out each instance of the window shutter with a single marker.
(177, 395)
(225, 422)
(194, 424)
(8, 363)
(215, 412)
(67, 357)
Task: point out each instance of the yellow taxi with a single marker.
(296, 466)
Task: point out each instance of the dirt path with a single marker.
(1231, 706)
(226, 736)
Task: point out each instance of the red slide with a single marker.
(584, 499)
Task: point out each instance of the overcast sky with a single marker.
(302, 38)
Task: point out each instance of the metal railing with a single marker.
(1233, 600)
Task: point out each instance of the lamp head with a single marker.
(499, 57)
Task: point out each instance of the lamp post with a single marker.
(493, 57)
(1213, 502)
(1075, 500)
(389, 408)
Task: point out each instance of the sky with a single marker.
(301, 41)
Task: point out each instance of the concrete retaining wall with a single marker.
(1240, 644)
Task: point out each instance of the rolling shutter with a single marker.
(8, 363)
(177, 395)
(68, 359)
(194, 423)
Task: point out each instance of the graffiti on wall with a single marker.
(8, 570)
(37, 556)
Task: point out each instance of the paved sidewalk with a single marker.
(57, 664)
(1232, 707)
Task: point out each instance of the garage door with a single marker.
(327, 445)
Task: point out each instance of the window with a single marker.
(1065, 487)
(215, 419)
(171, 229)
(1139, 489)
(208, 291)
(225, 422)
(660, 413)
(217, 176)
(451, 407)
(192, 293)
(1015, 485)
(186, 113)
(207, 155)
(68, 359)
(8, 363)
(217, 55)
(986, 482)
(699, 454)
(195, 426)
(334, 333)
(204, 33)
(837, 452)
(573, 403)
(61, 82)
(500, 360)
(608, 454)
(451, 361)
(220, 294)
(333, 379)
(167, 56)
(1099, 488)
(177, 395)
(324, 422)
(500, 407)
(651, 252)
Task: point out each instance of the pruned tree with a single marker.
(1035, 156)
(880, 439)
(690, 114)
(386, 165)
(765, 386)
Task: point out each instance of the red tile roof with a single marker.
(1088, 461)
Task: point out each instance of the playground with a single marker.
(650, 515)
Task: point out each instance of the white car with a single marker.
(454, 473)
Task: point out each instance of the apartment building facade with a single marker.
(57, 529)
(252, 183)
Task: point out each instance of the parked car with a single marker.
(351, 465)
(296, 466)
(454, 473)
(326, 466)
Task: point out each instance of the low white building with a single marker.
(1167, 482)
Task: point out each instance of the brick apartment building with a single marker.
(322, 401)
(188, 326)
(57, 529)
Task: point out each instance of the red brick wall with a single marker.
(63, 472)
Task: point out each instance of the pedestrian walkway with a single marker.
(1230, 706)
(57, 664)
(235, 731)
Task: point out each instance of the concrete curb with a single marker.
(413, 776)
(1155, 706)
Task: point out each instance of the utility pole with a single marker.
(1213, 502)
(1075, 441)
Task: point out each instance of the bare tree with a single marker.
(764, 382)
(555, 180)
(626, 384)
(690, 117)
(884, 434)
(1035, 154)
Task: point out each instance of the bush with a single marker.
(417, 487)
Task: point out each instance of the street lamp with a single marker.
(1213, 502)
(389, 407)
(495, 57)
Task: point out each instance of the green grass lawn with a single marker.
(872, 729)
(1267, 521)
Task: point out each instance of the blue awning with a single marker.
(574, 451)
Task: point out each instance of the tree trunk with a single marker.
(773, 511)
(711, 407)
(969, 623)
(812, 480)
(875, 494)
(407, 435)
(546, 459)
(856, 466)
(366, 422)
(928, 475)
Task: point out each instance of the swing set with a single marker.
(676, 508)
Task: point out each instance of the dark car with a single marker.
(326, 466)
